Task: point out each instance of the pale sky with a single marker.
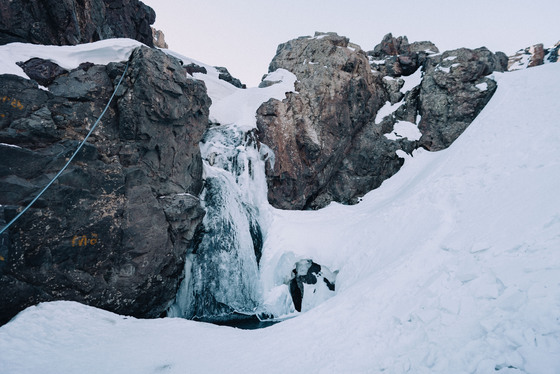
(243, 35)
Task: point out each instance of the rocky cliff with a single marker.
(71, 22)
(114, 230)
(331, 140)
(316, 133)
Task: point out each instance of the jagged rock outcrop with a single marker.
(330, 142)
(73, 22)
(319, 133)
(42, 71)
(454, 89)
(159, 39)
(225, 75)
(114, 230)
(395, 57)
(532, 56)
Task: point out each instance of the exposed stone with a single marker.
(159, 39)
(314, 133)
(226, 76)
(532, 56)
(396, 57)
(537, 55)
(327, 142)
(114, 230)
(194, 68)
(308, 272)
(42, 71)
(553, 53)
(391, 46)
(73, 22)
(453, 91)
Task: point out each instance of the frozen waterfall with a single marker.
(222, 275)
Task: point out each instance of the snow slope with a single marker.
(451, 266)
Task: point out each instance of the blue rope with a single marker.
(71, 158)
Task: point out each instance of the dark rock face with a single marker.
(114, 230)
(315, 134)
(328, 143)
(553, 53)
(42, 71)
(226, 76)
(453, 91)
(194, 68)
(73, 22)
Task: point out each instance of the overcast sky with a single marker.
(243, 35)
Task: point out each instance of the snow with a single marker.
(412, 81)
(451, 266)
(482, 86)
(387, 110)
(377, 62)
(68, 57)
(404, 129)
(232, 105)
(10, 145)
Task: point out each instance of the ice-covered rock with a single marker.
(311, 284)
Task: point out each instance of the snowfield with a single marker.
(451, 266)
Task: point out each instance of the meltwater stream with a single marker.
(222, 275)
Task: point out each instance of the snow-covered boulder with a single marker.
(114, 230)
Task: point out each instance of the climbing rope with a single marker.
(71, 158)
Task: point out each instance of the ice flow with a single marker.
(222, 275)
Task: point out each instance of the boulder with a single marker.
(224, 74)
(454, 89)
(553, 53)
(42, 71)
(114, 230)
(72, 22)
(316, 279)
(330, 142)
(324, 137)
